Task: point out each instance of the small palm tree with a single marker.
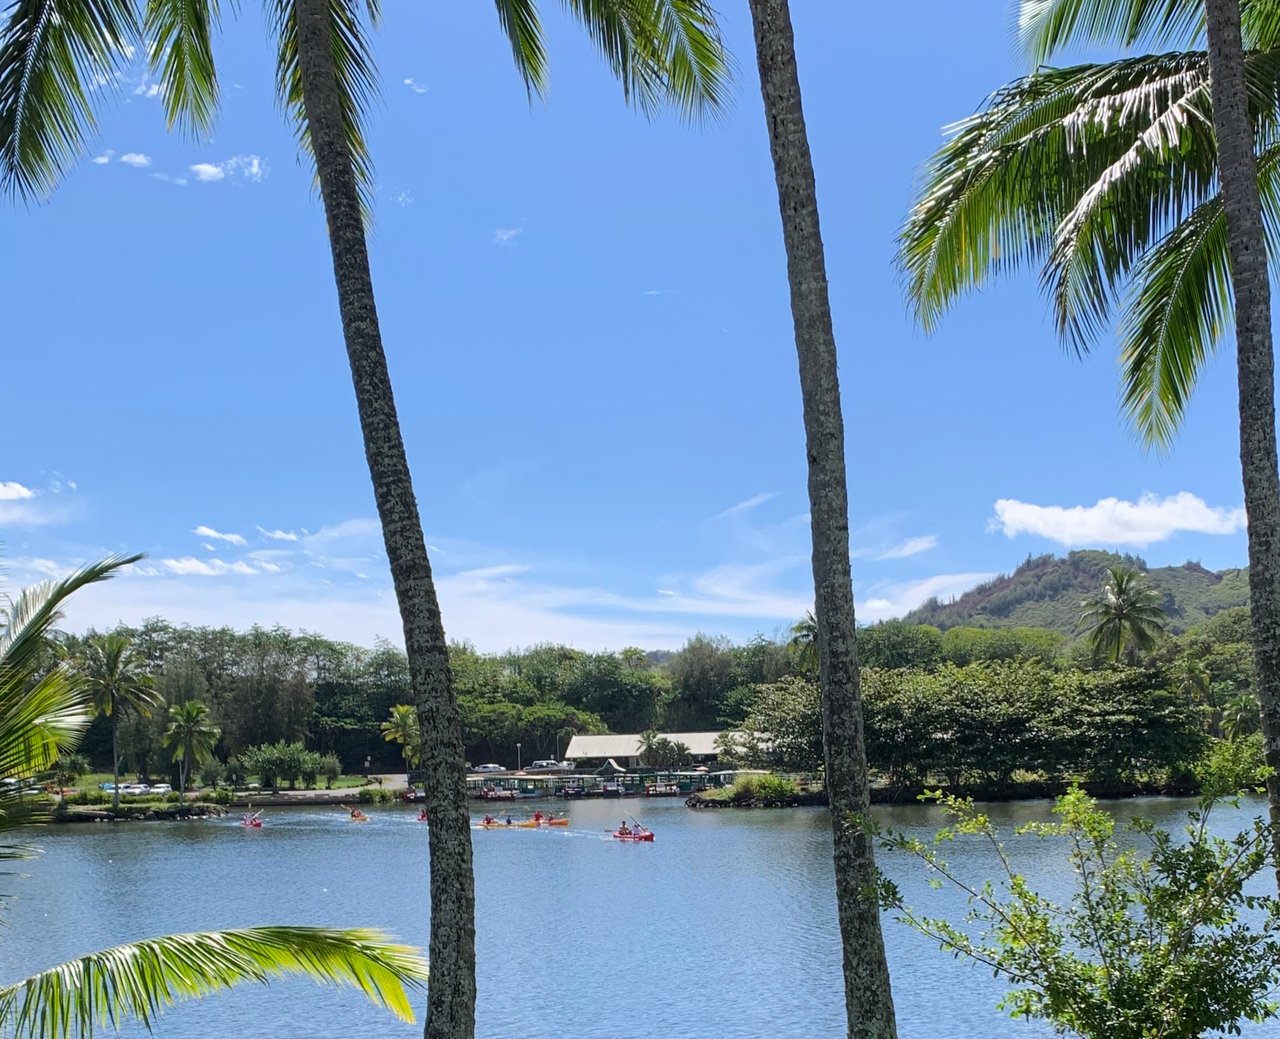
(43, 714)
(803, 644)
(402, 727)
(1125, 618)
(190, 738)
(114, 672)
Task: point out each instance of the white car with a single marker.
(543, 766)
(135, 789)
(161, 788)
(490, 768)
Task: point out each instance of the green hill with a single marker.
(1046, 592)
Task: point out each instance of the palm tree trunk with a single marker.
(452, 992)
(868, 997)
(1246, 243)
(115, 755)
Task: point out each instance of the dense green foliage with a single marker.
(1046, 592)
(1172, 942)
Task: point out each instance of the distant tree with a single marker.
(803, 644)
(895, 644)
(1240, 716)
(1125, 619)
(68, 769)
(702, 674)
(784, 725)
(116, 674)
(190, 738)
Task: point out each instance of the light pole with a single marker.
(517, 757)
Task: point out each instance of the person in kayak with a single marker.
(488, 820)
(624, 830)
(422, 816)
(357, 814)
(537, 816)
(510, 822)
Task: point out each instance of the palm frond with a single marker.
(180, 35)
(54, 56)
(993, 196)
(139, 980)
(1047, 27)
(26, 623)
(663, 52)
(356, 74)
(519, 20)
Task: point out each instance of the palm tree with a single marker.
(1139, 182)
(803, 644)
(43, 713)
(402, 727)
(114, 672)
(662, 51)
(190, 738)
(868, 997)
(1125, 618)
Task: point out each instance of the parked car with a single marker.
(543, 766)
(109, 787)
(161, 788)
(491, 768)
(135, 789)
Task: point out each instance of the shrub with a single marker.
(331, 769)
(213, 773)
(376, 795)
(775, 788)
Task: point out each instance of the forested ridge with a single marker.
(1046, 590)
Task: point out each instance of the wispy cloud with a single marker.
(204, 531)
(136, 159)
(278, 535)
(404, 199)
(415, 86)
(657, 292)
(104, 158)
(250, 168)
(507, 235)
(145, 89)
(743, 507)
(190, 566)
(909, 547)
(886, 600)
(1114, 521)
(168, 179)
(23, 506)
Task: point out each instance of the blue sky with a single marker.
(587, 323)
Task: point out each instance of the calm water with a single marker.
(723, 928)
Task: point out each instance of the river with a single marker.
(723, 928)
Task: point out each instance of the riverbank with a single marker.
(773, 797)
(146, 812)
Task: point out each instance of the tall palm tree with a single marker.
(43, 713)
(53, 53)
(868, 998)
(115, 673)
(1125, 618)
(1152, 182)
(190, 738)
(402, 728)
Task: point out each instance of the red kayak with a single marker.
(647, 835)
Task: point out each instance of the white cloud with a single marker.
(179, 181)
(251, 168)
(910, 547)
(104, 158)
(136, 159)
(10, 490)
(893, 600)
(207, 172)
(414, 85)
(189, 566)
(1113, 521)
(145, 89)
(208, 532)
(404, 199)
(745, 506)
(507, 235)
(656, 292)
(278, 535)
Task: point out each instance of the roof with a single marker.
(628, 746)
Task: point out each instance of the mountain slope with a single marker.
(1046, 592)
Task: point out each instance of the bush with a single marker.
(331, 769)
(213, 773)
(376, 795)
(222, 796)
(775, 788)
